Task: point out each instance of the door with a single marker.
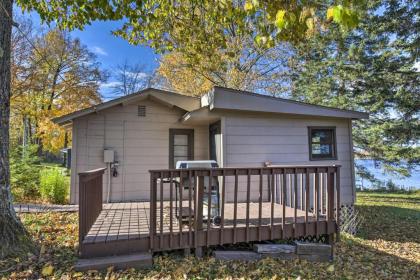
(181, 145)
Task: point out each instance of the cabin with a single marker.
(284, 170)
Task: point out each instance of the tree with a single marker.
(131, 78)
(20, 131)
(13, 236)
(189, 25)
(58, 76)
(176, 74)
(246, 67)
(371, 69)
(201, 31)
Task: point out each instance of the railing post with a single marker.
(82, 209)
(161, 211)
(283, 198)
(222, 224)
(198, 215)
(316, 197)
(338, 206)
(152, 207)
(330, 191)
(331, 179)
(90, 201)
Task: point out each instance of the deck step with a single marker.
(306, 248)
(314, 252)
(274, 248)
(139, 261)
(277, 251)
(236, 255)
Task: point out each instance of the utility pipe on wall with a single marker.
(109, 182)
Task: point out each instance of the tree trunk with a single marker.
(13, 236)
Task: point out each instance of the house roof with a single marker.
(168, 98)
(231, 99)
(219, 98)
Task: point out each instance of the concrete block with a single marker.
(280, 256)
(237, 255)
(274, 248)
(139, 261)
(304, 248)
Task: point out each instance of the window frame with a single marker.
(334, 142)
(172, 133)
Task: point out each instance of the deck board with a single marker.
(130, 220)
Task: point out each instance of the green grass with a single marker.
(388, 247)
(390, 216)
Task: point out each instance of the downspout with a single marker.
(108, 164)
(353, 177)
(109, 181)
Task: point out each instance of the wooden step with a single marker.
(236, 255)
(274, 248)
(306, 248)
(138, 261)
(277, 251)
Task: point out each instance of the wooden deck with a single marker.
(123, 221)
(132, 227)
(119, 222)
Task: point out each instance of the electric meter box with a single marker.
(108, 156)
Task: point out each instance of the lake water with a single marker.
(412, 182)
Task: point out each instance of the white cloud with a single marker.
(110, 84)
(138, 75)
(99, 50)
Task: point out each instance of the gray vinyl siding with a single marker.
(252, 140)
(247, 140)
(140, 144)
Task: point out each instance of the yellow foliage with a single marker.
(58, 78)
(181, 77)
(47, 270)
(244, 63)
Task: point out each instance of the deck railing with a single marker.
(314, 191)
(90, 200)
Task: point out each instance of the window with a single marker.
(181, 145)
(322, 144)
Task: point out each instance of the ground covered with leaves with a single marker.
(387, 247)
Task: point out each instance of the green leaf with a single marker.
(292, 17)
(338, 14)
(248, 6)
(261, 40)
(310, 23)
(280, 21)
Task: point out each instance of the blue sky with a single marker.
(110, 50)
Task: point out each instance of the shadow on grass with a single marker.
(389, 223)
(370, 262)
